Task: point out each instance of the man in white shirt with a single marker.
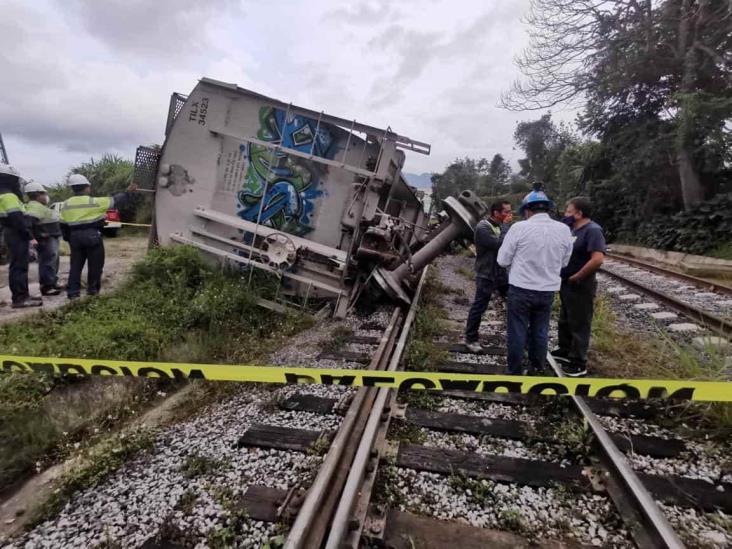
(534, 251)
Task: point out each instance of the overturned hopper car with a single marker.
(315, 199)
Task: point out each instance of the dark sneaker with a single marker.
(574, 369)
(27, 303)
(560, 355)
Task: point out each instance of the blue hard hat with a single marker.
(537, 196)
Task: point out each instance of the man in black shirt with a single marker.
(578, 287)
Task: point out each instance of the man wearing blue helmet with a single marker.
(534, 251)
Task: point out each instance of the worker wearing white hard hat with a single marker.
(82, 217)
(46, 230)
(17, 237)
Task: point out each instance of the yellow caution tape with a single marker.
(593, 387)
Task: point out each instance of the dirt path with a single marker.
(121, 253)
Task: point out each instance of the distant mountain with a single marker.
(421, 181)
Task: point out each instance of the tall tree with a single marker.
(461, 175)
(542, 142)
(496, 181)
(632, 60)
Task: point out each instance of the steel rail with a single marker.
(313, 519)
(341, 526)
(675, 274)
(656, 532)
(709, 320)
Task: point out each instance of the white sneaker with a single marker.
(474, 347)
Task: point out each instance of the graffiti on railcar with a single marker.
(294, 183)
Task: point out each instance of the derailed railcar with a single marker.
(316, 199)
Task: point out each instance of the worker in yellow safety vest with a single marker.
(17, 237)
(46, 230)
(82, 217)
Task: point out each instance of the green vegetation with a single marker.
(173, 307)
(196, 466)
(512, 520)
(320, 446)
(404, 431)
(661, 358)
(422, 354)
(98, 463)
(386, 486)
(481, 492)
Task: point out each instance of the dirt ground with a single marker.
(121, 253)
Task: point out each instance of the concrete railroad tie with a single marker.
(646, 306)
(664, 315)
(683, 327)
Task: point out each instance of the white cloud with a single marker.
(82, 78)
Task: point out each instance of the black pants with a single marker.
(483, 290)
(575, 318)
(18, 269)
(86, 245)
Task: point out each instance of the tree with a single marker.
(463, 174)
(632, 60)
(496, 181)
(542, 142)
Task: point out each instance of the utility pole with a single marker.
(3, 152)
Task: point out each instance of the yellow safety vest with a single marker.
(42, 213)
(84, 209)
(9, 203)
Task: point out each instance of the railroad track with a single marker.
(342, 467)
(708, 304)
(460, 455)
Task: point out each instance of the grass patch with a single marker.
(422, 354)
(618, 352)
(97, 464)
(386, 491)
(319, 447)
(480, 492)
(174, 306)
(197, 466)
(407, 432)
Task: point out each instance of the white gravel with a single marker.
(538, 513)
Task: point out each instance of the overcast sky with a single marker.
(79, 78)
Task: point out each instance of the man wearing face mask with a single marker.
(489, 234)
(46, 230)
(578, 287)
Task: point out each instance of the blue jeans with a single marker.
(483, 290)
(48, 262)
(528, 312)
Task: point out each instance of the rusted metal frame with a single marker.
(313, 520)
(625, 488)
(346, 529)
(674, 274)
(713, 322)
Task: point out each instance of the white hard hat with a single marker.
(78, 180)
(7, 169)
(33, 187)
